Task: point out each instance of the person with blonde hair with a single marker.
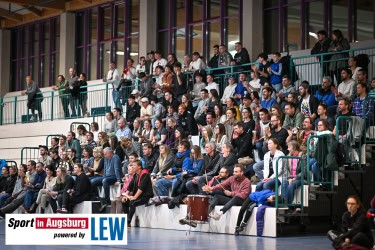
(103, 139)
(64, 182)
(49, 183)
(98, 163)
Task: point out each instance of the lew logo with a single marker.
(108, 228)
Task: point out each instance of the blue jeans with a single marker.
(116, 95)
(106, 182)
(259, 146)
(162, 187)
(292, 189)
(270, 184)
(315, 169)
(3, 198)
(30, 197)
(74, 106)
(258, 169)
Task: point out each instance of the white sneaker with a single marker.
(216, 216)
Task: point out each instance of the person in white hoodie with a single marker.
(268, 180)
(345, 88)
(229, 90)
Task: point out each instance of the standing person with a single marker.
(62, 86)
(149, 63)
(224, 57)
(213, 63)
(261, 69)
(179, 82)
(322, 46)
(338, 60)
(74, 92)
(83, 94)
(275, 70)
(34, 99)
(355, 227)
(241, 56)
(141, 66)
(113, 78)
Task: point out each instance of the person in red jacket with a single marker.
(236, 189)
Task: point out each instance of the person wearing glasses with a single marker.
(355, 227)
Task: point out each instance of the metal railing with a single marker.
(97, 100)
(29, 153)
(313, 67)
(319, 173)
(49, 137)
(284, 183)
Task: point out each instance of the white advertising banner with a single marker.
(66, 229)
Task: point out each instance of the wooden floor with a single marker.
(144, 238)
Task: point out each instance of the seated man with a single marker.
(27, 183)
(209, 162)
(221, 177)
(239, 188)
(181, 161)
(141, 188)
(112, 175)
(227, 159)
(242, 142)
(38, 184)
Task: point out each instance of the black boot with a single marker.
(42, 210)
(104, 204)
(40, 116)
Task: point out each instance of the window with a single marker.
(208, 22)
(39, 44)
(110, 33)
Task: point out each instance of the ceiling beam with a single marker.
(51, 4)
(33, 10)
(10, 15)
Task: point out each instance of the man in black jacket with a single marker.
(150, 156)
(133, 110)
(179, 81)
(322, 46)
(141, 187)
(242, 142)
(209, 162)
(308, 103)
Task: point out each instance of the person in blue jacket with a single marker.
(324, 94)
(264, 197)
(188, 172)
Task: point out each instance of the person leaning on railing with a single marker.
(62, 86)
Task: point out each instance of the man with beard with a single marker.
(236, 189)
(345, 88)
(308, 103)
(324, 93)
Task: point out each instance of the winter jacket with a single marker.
(260, 197)
(325, 152)
(326, 95)
(260, 219)
(182, 162)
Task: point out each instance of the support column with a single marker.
(252, 28)
(147, 26)
(5, 62)
(67, 42)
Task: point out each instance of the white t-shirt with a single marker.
(213, 85)
(305, 107)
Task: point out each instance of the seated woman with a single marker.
(64, 182)
(185, 99)
(220, 137)
(264, 197)
(160, 133)
(171, 130)
(231, 103)
(219, 114)
(186, 121)
(147, 132)
(179, 137)
(163, 164)
(213, 100)
(248, 121)
(355, 227)
(293, 173)
(49, 183)
(116, 205)
(80, 192)
(196, 163)
(207, 136)
(137, 129)
(98, 164)
(269, 178)
(103, 140)
(171, 113)
(87, 160)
